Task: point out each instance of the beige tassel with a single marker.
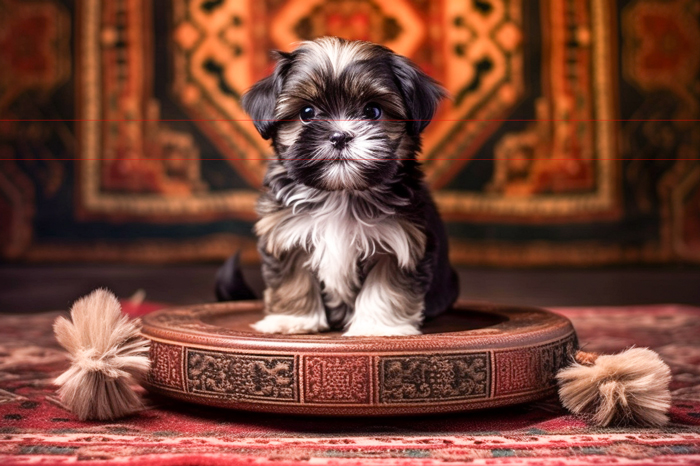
(107, 355)
(629, 388)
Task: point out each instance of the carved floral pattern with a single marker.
(434, 378)
(241, 376)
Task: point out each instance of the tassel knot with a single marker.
(621, 389)
(108, 355)
(91, 361)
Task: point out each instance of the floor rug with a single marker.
(35, 429)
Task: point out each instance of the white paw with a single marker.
(280, 323)
(376, 330)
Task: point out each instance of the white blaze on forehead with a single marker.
(345, 125)
(339, 54)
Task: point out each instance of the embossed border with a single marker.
(381, 377)
(566, 345)
(163, 348)
(366, 364)
(293, 359)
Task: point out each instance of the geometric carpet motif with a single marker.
(37, 429)
(571, 135)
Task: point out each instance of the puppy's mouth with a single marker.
(342, 156)
(341, 162)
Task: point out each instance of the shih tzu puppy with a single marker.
(349, 235)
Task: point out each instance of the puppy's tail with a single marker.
(230, 284)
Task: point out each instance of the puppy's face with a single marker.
(343, 115)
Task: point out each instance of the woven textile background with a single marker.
(572, 136)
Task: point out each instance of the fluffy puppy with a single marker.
(349, 235)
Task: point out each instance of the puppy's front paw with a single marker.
(376, 330)
(279, 323)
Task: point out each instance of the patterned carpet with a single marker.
(34, 428)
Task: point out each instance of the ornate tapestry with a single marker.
(572, 135)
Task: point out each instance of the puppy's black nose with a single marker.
(340, 139)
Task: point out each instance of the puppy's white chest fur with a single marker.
(338, 235)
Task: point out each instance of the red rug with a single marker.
(35, 429)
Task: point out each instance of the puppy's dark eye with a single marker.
(307, 113)
(372, 111)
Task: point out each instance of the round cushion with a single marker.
(474, 356)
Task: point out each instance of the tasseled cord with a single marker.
(629, 388)
(107, 356)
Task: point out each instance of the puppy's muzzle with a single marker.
(340, 139)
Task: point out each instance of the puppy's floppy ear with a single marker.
(260, 100)
(420, 92)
